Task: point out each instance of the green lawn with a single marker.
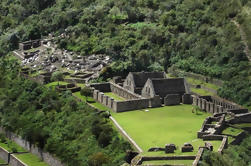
(199, 82)
(202, 92)
(12, 145)
(114, 96)
(92, 102)
(31, 159)
(171, 162)
(242, 125)
(159, 126)
(56, 83)
(232, 131)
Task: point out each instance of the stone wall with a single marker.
(198, 157)
(10, 159)
(4, 154)
(122, 92)
(172, 99)
(14, 161)
(120, 106)
(223, 145)
(241, 118)
(134, 101)
(102, 87)
(29, 44)
(141, 159)
(136, 104)
(215, 105)
(45, 156)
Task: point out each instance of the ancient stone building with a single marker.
(135, 81)
(163, 87)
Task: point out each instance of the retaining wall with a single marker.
(14, 161)
(4, 154)
(45, 156)
(10, 159)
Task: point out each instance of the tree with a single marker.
(57, 76)
(87, 92)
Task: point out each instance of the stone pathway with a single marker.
(244, 39)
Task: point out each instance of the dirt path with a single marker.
(244, 39)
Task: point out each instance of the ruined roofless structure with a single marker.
(135, 81)
(164, 87)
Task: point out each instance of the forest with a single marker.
(57, 123)
(193, 35)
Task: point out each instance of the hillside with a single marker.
(196, 36)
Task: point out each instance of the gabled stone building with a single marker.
(135, 81)
(163, 87)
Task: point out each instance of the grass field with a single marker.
(92, 102)
(31, 159)
(171, 162)
(199, 82)
(114, 96)
(159, 126)
(202, 92)
(56, 83)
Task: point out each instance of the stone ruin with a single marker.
(44, 56)
(29, 44)
(71, 87)
(187, 147)
(170, 148)
(216, 105)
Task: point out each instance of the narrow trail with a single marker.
(244, 39)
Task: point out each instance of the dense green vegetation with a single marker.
(194, 35)
(56, 122)
(238, 155)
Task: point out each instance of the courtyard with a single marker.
(159, 126)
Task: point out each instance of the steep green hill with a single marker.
(194, 35)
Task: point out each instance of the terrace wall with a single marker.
(4, 154)
(45, 156)
(14, 161)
